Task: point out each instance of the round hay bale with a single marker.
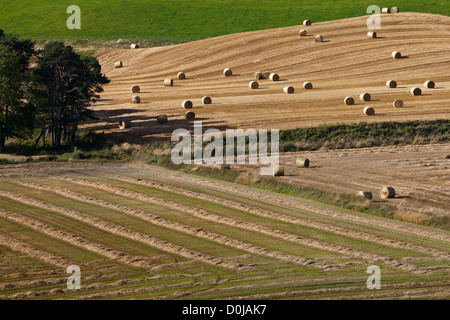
(258, 76)
(398, 103)
(386, 10)
(181, 76)
(302, 163)
(365, 194)
(168, 82)
(349, 101)
(429, 84)
(288, 89)
(118, 64)
(136, 99)
(395, 10)
(124, 124)
(162, 118)
(371, 34)
(266, 74)
(416, 91)
(134, 46)
(190, 115)
(279, 172)
(365, 96)
(318, 38)
(396, 55)
(253, 85)
(187, 104)
(274, 77)
(302, 33)
(135, 89)
(391, 84)
(307, 22)
(369, 111)
(307, 85)
(387, 192)
(227, 72)
(206, 100)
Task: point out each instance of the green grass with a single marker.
(182, 20)
(363, 135)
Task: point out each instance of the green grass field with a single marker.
(181, 20)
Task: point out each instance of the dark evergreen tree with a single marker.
(64, 85)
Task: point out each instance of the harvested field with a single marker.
(337, 68)
(224, 243)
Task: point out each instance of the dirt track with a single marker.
(347, 63)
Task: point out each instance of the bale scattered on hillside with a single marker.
(416, 91)
(118, 64)
(307, 85)
(349, 101)
(318, 38)
(307, 22)
(396, 55)
(274, 77)
(181, 76)
(302, 163)
(365, 96)
(365, 194)
(162, 118)
(395, 10)
(371, 34)
(258, 76)
(168, 82)
(288, 89)
(124, 124)
(430, 84)
(190, 115)
(134, 46)
(187, 104)
(386, 10)
(391, 84)
(398, 103)
(387, 192)
(227, 72)
(135, 89)
(253, 85)
(302, 33)
(279, 172)
(266, 74)
(136, 99)
(369, 111)
(206, 100)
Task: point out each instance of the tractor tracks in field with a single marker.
(17, 245)
(285, 202)
(285, 218)
(159, 221)
(250, 226)
(124, 232)
(77, 240)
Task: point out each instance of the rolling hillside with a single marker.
(347, 63)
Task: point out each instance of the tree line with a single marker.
(52, 94)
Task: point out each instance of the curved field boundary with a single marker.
(201, 233)
(76, 240)
(285, 218)
(305, 207)
(20, 246)
(246, 226)
(124, 232)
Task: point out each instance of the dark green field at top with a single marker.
(182, 20)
